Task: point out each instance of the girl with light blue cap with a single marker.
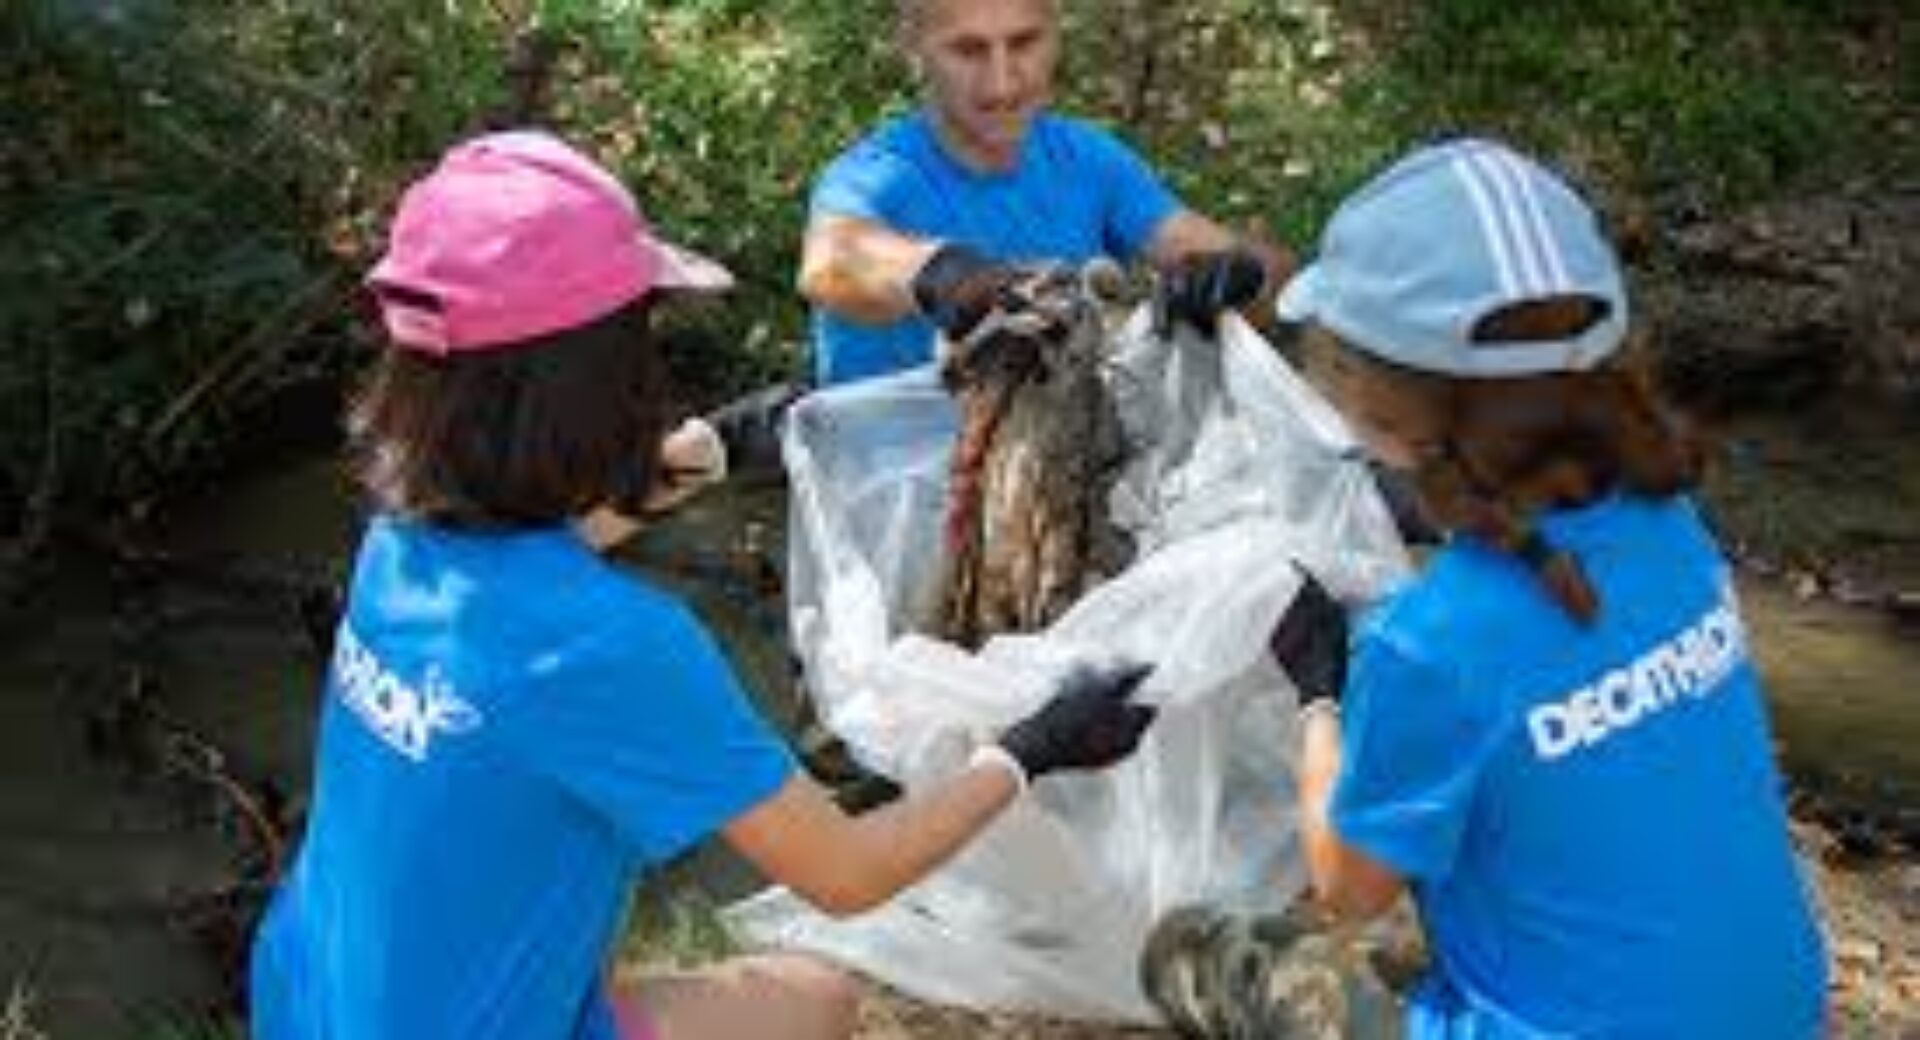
(1553, 738)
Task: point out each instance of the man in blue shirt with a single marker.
(907, 226)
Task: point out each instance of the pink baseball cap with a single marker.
(514, 236)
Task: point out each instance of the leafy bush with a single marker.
(719, 112)
(169, 169)
(1719, 99)
(193, 186)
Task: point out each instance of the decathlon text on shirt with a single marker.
(404, 716)
(1690, 664)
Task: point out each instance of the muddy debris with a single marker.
(1040, 445)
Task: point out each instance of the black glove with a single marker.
(1310, 642)
(1089, 723)
(1202, 286)
(749, 426)
(958, 286)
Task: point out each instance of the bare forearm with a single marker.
(800, 838)
(844, 864)
(1319, 765)
(1343, 877)
(861, 270)
(903, 841)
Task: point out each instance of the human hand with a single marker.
(958, 286)
(1310, 643)
(691, 456)
(1090, 723)
(1201, 286)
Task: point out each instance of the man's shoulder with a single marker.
(900, 137)
(1053, 121)
(873, 176)
(909, 138)
(1077, 136)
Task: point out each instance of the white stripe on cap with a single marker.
(1514, 220)
(1549, 244)
(1490, 230)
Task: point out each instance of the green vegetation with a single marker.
(180, 181)
(193, 186)
(678, 929)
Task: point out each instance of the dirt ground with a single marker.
(1871, 909)
(889, 1016)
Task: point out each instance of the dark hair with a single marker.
(521, 435)
(1509, 448)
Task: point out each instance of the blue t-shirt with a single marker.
(511, 730)
(1075, 193)
(1590, 818)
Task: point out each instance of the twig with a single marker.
(247, 356)
(126, 253)
(192, 755)
(1141, 83)
(36, 527)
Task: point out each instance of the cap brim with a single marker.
(1299, 299)
(685, 269)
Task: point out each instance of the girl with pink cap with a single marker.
(513, 729)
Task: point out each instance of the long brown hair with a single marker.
(1504, 450)
(524, 435)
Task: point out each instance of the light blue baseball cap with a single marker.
(1446, 236)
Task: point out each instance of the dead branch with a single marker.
(36, 527)
(264, 344)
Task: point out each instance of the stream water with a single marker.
(100, 856)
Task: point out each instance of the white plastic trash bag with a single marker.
(1239, 467)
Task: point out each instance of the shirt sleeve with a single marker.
(644, 722)
(868, 182)
(1137, 200)
(1414, 742)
